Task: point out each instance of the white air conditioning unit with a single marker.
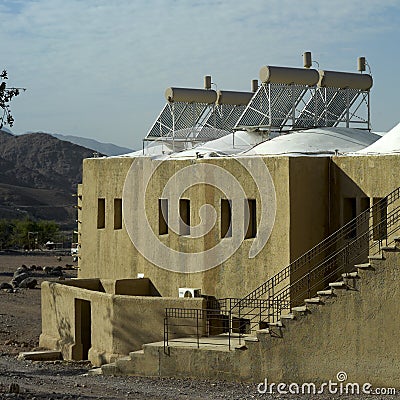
(189, 292)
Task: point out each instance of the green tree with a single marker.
(27, 234)
(24, 232)
(6, 231)
(48, 230)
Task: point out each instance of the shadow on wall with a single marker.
(344, 201)
(136, 287)
(143, 324)
(64, 326)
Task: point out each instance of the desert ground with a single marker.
(20, 326)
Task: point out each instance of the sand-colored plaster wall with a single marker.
(119, 323)
(109, 253)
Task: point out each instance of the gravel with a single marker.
(20, 326)
(69, 380)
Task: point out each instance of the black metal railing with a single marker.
(327, 271)
(313, 271)
(362, 236)
(192, 326)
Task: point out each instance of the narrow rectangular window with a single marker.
(184, 213)
(250, 212)
(349, 213)
(162, 216)
(226, 218)
(379, 218)
(117, 213)
(101, 213)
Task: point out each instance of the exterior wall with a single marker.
(375, 176)
(109, 253)
(369, 176)
(355, 331)
(119, 323)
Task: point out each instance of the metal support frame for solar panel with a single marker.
(194, 122)
(174, 117)
(333, 107)
(274, 107)
(225, 116)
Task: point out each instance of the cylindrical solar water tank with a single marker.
(236, 98)
(288, 76)
(307, 61)
(345, 80)
(207, 82)
(188, 95)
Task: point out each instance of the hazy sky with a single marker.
(99, 69)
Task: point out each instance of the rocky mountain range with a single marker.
(108, 149)
(38, 176)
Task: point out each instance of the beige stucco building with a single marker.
(222, 218)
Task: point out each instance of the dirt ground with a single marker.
(20, 321)
(20, 326)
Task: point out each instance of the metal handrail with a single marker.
(324, 261)
(198, 323)
(339, 262)
(328, 249)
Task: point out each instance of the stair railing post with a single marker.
(197, 328)
(166, 343)
(240, 316)
(229, 327)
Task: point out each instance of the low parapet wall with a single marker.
(117, 324)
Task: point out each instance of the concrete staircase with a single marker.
(352, 326)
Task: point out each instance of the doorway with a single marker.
(83, 329)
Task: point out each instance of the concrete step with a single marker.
(389, 248)
(300, 309)
(313, 300)
(288, 316)
(350, 275)
(126, 365)
(251, 339)
(262, 332)
(123, 359)
(363, 266)
(328, 292)
(338, 285)
(95, 371)
(277, 324)
(110, 369)
(137, 353)
(46, 355)
(376, 257)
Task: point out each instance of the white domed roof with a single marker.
(389, 143)
(153, 150)
(316, 141)
(233, 143)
